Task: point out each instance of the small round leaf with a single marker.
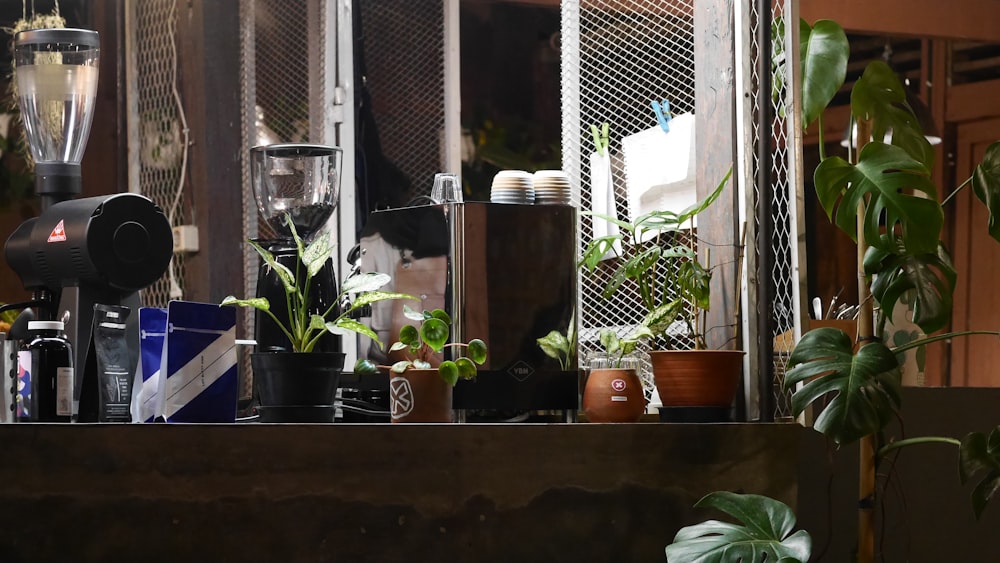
(449, 372)
(441, 314)
(435, 333)
(365, 367)
(477, 351)
(408, 335)
(466, 369)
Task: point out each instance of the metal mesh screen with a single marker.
(403, 42)
(784, 276)
(155, 126)
(618, 57)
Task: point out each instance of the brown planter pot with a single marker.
(613, 395)
(697, 378)
(419, 395)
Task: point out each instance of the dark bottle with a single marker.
(45, 373)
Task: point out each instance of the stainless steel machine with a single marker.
(505, 273)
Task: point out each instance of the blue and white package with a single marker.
(146, 404)
(198, 370)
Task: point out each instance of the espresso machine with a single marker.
(301, 182)
(78, 252)
(505, 273)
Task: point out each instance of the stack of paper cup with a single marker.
(552, 188)
(512, 186)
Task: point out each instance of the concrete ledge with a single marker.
(575, 492)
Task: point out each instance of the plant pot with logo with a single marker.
(613, 391)
(421, 381)
(297, 384)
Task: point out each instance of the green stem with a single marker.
(282, 327)
(919, 440)
(956, 190)
(939, 337)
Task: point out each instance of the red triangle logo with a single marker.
(58, 233)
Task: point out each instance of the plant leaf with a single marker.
(979, 453)
(554, 344)
(766, 533)
(408, 336)
(659, 319)
(401, 366)
(362, 283)
(346, 323)
(929, 278)
(256, 302)
(365, 367)
(317, 253)
(887, 173)
(986, 184)
(440, 314)
(434, 333)
(449, 372)
(284, 274)
(824, 51)
(466, 368)
(370, 297)
(412, 314)
(879, 96)
(866, 386)
(477, 351)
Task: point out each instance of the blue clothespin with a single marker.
(662, 110)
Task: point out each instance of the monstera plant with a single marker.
(883, 197)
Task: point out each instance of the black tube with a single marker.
(765, 259)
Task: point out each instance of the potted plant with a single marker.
(883, 198)
(299, 385)
(613, 391)
(421, 381)
(659, 261)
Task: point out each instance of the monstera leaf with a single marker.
(979, 453)
(887, 173)
(880, 97)
(865, 385)
(766, 533)
(986, 184)
(930, 277)
(824, 51)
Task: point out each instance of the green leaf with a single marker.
(609, 340)
(295, 234)
(408, 336)
(554, 344)
(449, 372)
(659, 319)
(441, 315)
(317, 253)
(928, 278)
(397, 346)
(466, 368)
(434, 333)
(477, 351)
(375, 296)
(362, 283)
(865, 386)
(981, 454)
(765, 534)
(401, 366)
(986, 184)
(365, 367)
(886, 172)
(824, 51)
(284, 274)
(694, 283)
(256, 302)
(696, 208)
(412, 314)
(880, 97)
(346, 323)
(421, 364)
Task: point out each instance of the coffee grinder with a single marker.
(77, 252)
(302, 182)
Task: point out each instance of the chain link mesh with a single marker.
(160, 139)
(403, 42)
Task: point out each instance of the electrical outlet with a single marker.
(185, 239)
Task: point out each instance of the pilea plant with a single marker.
(421, 343)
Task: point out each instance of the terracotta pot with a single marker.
(613, 395)
(296, 386)
(419, 395)
(697, 378)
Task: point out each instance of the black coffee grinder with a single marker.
(78, 252)
(302, 182)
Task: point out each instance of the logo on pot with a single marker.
(400, 397)
(618, 385)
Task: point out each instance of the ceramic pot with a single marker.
(296, 386)
(613, 395)
(419, 395)
(697, 378)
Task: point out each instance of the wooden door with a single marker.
(975, 360)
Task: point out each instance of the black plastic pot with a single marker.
(296, 387)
